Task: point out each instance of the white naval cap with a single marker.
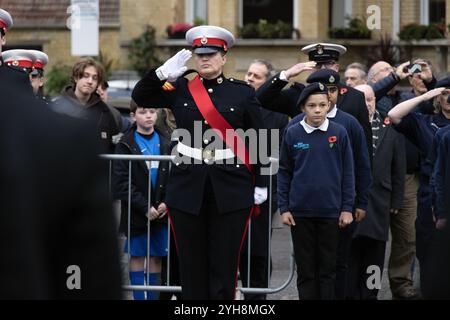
(6, 21)
(209, 39)
(324, 52)
(41, 59)
(18, 58)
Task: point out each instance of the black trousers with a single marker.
(209, 246)
(315, 249)
(425, 231)
(365, 252)
(259, 257)
(343, 258)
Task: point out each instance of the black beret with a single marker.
(313, 88)
(325, 76)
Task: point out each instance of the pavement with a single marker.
(281, 259)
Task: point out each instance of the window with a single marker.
(437, 11)
(339, 10)
(432, 11)
(270, 10)
(197, 10)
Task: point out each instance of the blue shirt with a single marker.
(316, 175)
(149, 146)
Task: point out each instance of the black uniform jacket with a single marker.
(273, 97)
(232, 184)
(15, 77)
(55, 212)
(140, 183)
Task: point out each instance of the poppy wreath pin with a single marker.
(386, 121)
(344, 90)
(332, 140)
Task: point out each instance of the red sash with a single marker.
(220, 126)
(217, 122)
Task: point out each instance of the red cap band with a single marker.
(39, 65)
(3, 25)
(20, 63)
(209, 42)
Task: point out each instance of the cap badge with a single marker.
(15, 63)
(321, 87)
(332, 79)
(204, 40)
(319, 49)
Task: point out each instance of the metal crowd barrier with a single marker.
(244, 288)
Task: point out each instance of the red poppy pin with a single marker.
(344, 90)
(387, 121)
(331, 141)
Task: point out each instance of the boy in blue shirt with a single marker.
(143, 139)
(316, 187)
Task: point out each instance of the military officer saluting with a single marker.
(211, 200)
(12, 76)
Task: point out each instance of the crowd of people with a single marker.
(361, 160)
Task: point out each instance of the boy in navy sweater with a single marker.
(316, 188)
(363, 172)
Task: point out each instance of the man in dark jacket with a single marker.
(384, 80)
(386, 195)
(81, 100)
(258, 72)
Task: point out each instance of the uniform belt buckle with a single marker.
(208, 154)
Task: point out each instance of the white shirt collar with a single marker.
(309, 129)
(332, 113)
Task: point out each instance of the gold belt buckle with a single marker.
(208, 154)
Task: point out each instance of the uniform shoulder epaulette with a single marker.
(233, 80)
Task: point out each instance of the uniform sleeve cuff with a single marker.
(347, 208)
(160, 74)
(283, 210)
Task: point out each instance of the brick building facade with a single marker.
(42, 25)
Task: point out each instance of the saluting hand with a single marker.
(298, 68)
(432, 93)
(287, 218)
(175, 66)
